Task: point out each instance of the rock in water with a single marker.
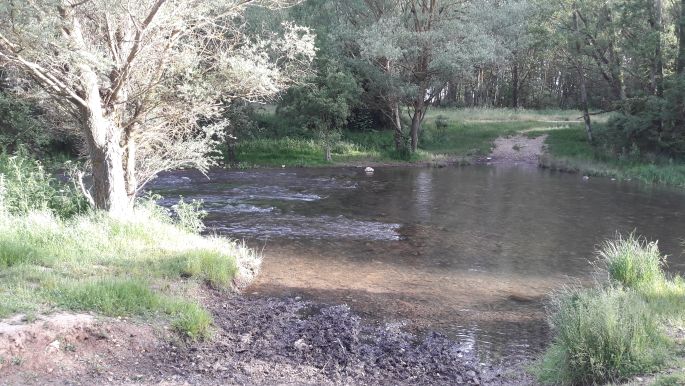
(368, 169)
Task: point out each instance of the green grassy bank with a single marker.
(465, 134)
(627, 325)
(569, 150)
(461, 135)
(55, 254)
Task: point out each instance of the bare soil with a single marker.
(518, 149)
(257, 341)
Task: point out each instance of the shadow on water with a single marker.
(471, 252)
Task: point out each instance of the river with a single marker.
(472, 252)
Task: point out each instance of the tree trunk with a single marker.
(417, 118)
(451, 96)
(397, 123)
(586, 113)
(680, 66)
(581, 76)
(129, 162)
(105, 151)
(658, 67)
(109, 183)
(515, 85)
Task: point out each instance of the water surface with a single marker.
(471, 252)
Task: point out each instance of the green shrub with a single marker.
(632, 261)
(189, 215)
(19, 125)
(601, 335)
(25, 186)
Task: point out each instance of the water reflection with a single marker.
(472, 252)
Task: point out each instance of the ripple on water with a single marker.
(294, 226)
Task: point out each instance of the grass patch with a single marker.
(623, 327)
(568, 150)
(110, 296)
(602, 335)
(632, 262)
(149, 265)
(454, 133)
(503, 114)
(210, 266)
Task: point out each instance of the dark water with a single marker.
(471, 252)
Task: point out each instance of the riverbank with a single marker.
(468, 136)
(462, 136)
(90, 299)
(255, 341)
(568, 150)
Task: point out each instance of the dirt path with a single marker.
(518, 149)
(257, 341)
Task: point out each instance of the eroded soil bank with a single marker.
(257, 341)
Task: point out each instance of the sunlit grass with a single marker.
(622, 328)
(142, 266)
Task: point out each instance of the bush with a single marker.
(601, 335)
(632, 262)
(189, 215)
(652, 124)
(19, 125)
(26, 186)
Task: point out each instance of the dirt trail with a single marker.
(518, 149)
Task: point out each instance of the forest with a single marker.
(240, 191)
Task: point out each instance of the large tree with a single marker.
(143, 81)
(418, 46)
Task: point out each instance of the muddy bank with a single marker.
(273, 341)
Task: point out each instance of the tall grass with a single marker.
(148, 265)
(620, 329)
(602, 335)
(631, 261)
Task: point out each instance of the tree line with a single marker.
(154, 85)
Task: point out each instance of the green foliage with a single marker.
(25, 186)
(146, 265)
(652, 124)
(601, 335)
(189, 215)
(619, 330)
(326, 103)
(568, 150)
(632, 262)
(210, 266)
(19, 125)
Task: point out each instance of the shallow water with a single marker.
(471, 252)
